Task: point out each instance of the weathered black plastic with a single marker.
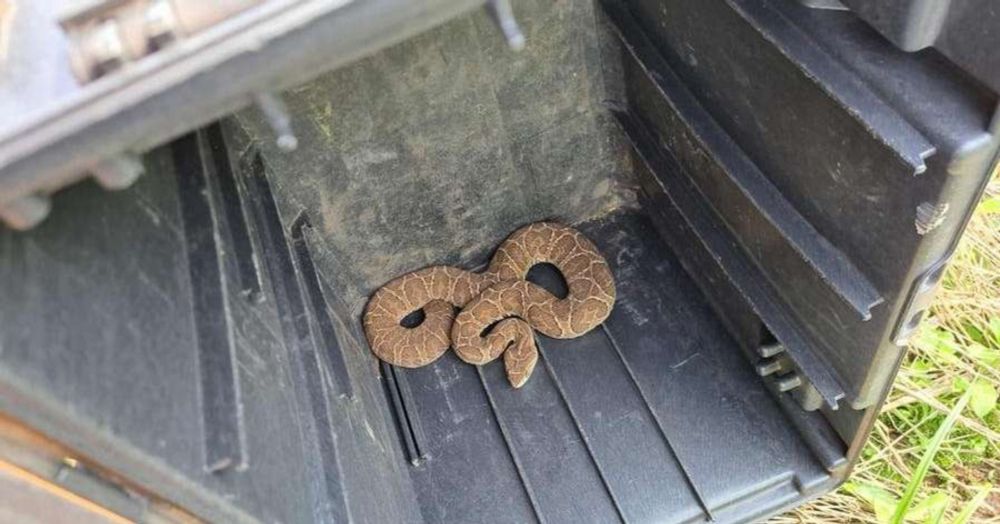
(963, 30)
(199, 334)
(653, 418)
(793, 107)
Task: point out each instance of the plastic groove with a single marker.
(659, 424)
(293, 317)
(235, 216)
(817, 433)
(742, 196)
(763, 491)
(505, 433)
(815, 430)
(400, 415)
(224, 438)
(326, 333)
(579, 429)
(671, 184)
(412, 419)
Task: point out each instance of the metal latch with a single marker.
(104, 35)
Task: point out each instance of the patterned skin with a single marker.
(499, 298)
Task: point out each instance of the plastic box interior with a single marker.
(426, 153)
(209, 339)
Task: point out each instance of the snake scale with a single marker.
(499, 308)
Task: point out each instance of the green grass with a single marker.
(941, 473)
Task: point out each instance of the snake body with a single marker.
(499, 298)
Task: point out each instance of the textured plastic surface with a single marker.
(600, 408)
(209, 347)
(794, 120)
(963, 30)
(198, 334)
(55, 131)
(656, 417)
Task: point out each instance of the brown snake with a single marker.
(499, 298)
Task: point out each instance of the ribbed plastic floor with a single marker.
(654, 417)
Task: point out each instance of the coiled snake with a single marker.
(499, 308)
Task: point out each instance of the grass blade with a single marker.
(970, 509)
(925, 462)
(938, 516)
(931, 510)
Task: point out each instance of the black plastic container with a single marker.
(777, 190)
(962, 30)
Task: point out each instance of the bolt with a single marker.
(277, 117)
(118, 172)
(105, 48)
(503, 15)
(25, 212)
(160, 24)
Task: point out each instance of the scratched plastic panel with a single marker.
(166, 333)
(726, 429)
(657, 418)
(467, 474)
(98, 318)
